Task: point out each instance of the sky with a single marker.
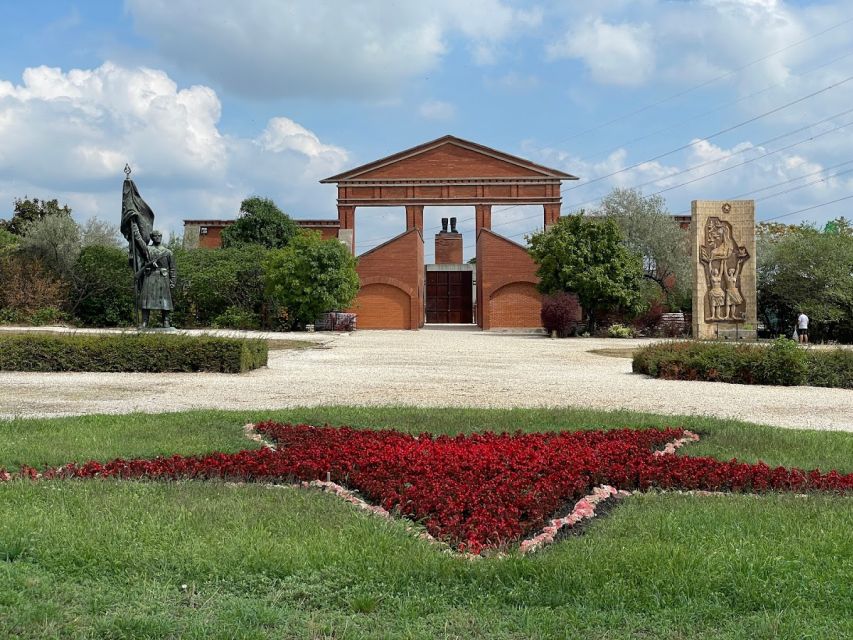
(213, 102)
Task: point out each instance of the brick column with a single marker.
(346, 231)
(483, 217)
(415, 217)
(552, 214)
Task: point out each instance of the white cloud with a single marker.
(741, 170)
(618, 54)
(437, 110)
(272, 48)
(69, 134)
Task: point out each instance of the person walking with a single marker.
(803, 327)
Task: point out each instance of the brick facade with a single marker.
(392, 284)
(448, 248)
(506, 284)
(207, 234)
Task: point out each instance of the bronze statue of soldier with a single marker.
(153, 265)
(157, 279)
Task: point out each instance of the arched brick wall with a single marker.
(515, 305)
(383, 306)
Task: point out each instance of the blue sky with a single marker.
(266, 97)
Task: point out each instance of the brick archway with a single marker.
(448, 171)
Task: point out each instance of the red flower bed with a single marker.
(476, 491)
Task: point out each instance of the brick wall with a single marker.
(506, 284)
(212, 238)
(515, 305)
(392, 284)
(448, 248)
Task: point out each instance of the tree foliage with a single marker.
(804, 269)
(310, 277)
(28, 289)
(587, 256)
(212, 282)
(28, 210)
(55, 240)
(261, 222)
(8, 242)
(100, 233)
(102, 292)
(650, 230)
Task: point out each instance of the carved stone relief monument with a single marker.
(723, 236)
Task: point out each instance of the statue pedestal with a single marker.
(732, 331)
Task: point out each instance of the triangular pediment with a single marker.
(449, 157)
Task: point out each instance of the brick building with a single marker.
(398, 290)
(207, 234)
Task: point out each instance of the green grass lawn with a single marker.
(108, 559)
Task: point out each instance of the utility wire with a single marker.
(719, 107)
(682, 93)
(708, 175)
(816, 206)
(784, 215)
(714, 135)
(706, 83)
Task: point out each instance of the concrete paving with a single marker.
(435, 367)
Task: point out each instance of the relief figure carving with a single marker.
(723, 260)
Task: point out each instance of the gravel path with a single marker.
(432, 367)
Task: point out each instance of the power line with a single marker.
(740, 164)
(713, 135)
(704, 84)
(734, 153)
(784, 215)
(715, 109)
(816, 206)
(784, 182)
(745, 162)
(695, 142)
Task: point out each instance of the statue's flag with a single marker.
(135, 209)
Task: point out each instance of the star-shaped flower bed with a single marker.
(474, 492)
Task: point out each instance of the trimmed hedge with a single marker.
(126, 352)
(780, 363)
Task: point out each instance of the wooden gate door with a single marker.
(449, 297)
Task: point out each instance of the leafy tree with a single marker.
(310, 277)
(804, 269)
(27, 211)
(212, 284)
(587, 256)
(260, 222)
(28, 289)
(651, 231)
(102, 291)
(55, 241)
(97, 232)
(8, 242)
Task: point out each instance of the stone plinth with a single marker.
(723, 253)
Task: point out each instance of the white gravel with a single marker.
(432, 367)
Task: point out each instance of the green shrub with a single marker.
(130, 352)
(212, 282)
(236, 318)
(833, 368)
(619, 331)
(310, 277)
(102, 288)
(781, 363)
(784, 364)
